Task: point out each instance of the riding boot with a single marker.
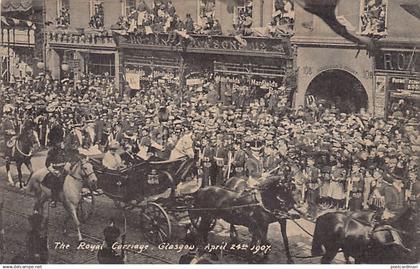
(54, 196)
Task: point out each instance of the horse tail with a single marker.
(317, 246)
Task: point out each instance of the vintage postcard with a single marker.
(209, 132)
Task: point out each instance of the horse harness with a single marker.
(377, 227)
(86, 174)
(13, 143)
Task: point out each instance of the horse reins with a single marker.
(20, 151)
(82, 168)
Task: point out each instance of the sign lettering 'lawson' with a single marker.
(222, 43)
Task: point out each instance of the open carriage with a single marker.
(152, 187)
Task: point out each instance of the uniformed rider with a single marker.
(55, 163)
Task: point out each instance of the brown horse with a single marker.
(253, 209)
(353, 233)
(21, 152)
(80, 174)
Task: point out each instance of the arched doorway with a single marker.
(340, 89)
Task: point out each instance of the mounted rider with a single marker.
(10, 130)
(55, 162)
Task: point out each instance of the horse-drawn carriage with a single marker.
(145, 186)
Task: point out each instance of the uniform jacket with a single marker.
(254, 167)
(56, 157)
(394, 198)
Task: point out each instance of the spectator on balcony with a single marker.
(97, 20)
(189, 24)
(63, 19)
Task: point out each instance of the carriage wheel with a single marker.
(86, 206)
(196, 220)
(156, 224)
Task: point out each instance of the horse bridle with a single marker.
(82, 163)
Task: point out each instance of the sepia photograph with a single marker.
(209, 132)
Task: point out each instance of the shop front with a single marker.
(398, 79)
(250, 66)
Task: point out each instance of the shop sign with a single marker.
(380, 96)
(264, 83)
(225, 43)
(226, 79)
(398, 61)
(194, 81)
(401, 84)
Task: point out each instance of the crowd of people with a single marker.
(335, 159)
(163, 18)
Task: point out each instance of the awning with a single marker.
(8, 22)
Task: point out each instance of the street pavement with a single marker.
(19, 205)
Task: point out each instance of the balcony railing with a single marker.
(81, 38)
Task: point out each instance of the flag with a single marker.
(413, 9)
(241, 41)
(325, 9)
(148, 30)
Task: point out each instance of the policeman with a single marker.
(55, 163)
(394, 197)
(107, 255)
(206, 158)
(239, 159)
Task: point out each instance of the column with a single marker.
(53, 63)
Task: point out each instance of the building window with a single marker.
(63, 13)
(100, 64)
(96, 15)
(243, 14)
(373, 17)
(283, 11)
(206, 13)
(128, 7)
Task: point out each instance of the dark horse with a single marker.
(353, 233)
(253, 208)
(21, 152)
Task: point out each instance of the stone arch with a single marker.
(339, 88)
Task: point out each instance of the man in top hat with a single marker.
(394, 195)
(107, 255)
(254, 165)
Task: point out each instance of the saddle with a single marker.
(52, 182)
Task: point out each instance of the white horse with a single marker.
(184, 147)
(79, 172)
